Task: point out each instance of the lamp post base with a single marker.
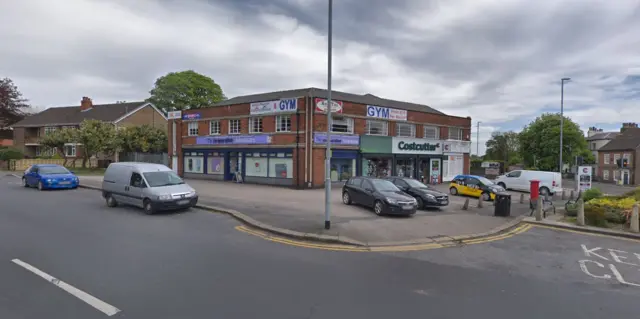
(327, 224)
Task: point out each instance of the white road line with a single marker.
(106, 308)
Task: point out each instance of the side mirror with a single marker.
(369, 190)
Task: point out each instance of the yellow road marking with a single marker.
(338, 247)
(587, 233)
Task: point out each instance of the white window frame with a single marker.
(384, 129)
(616, 157)
(605, 174)
(459, 135)
(72, 147)
(192, 129)
(607, 158)
(49, 129)
(436, 131)
(214, 127)
(283, 123)
(343, 121)
(255, 125)
(235, 129)
(412, 129)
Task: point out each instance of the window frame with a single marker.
(211, 126)
(252, 125)
(455, 138)
(436, 131)
(73, 147)
(239, 126)
(605, 174)
(607, 159)
(385, 128)
(279, 122)
(410, 125)
(49, 129)
(190, 128)
(349, 123)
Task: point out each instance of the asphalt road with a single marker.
(195, 264)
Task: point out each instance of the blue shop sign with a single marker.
(192, 116)
(288, 105)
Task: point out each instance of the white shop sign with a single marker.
(278, 106)
(386, 113)
(584, 178)
(174, 115)
(456, 146)
(418, 146)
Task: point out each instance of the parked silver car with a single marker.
(153, 187)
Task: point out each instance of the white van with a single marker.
(520, 180)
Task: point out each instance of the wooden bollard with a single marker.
(480, 202)
(635, 219)
(580, 219)
(465, 206)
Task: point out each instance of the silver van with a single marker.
(153, 187)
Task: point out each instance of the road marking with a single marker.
(106, 308)
(587, 233)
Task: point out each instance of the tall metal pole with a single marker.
(327, 167)
(478, 139)
(562, 119)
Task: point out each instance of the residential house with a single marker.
(625, 145)
(6, 137)
(596, 139)
(27, 133)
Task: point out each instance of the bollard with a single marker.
(495, 201)
(635, 219)
(480, 202)
(580, 220)
(571, 195)
(465, 206)
(539, 209)
(564, 195)
(521, 198)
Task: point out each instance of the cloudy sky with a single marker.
(498, 61)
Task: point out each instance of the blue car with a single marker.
(49, 176)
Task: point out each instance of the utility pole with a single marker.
(478, 139)
(562, 118)
(327, 166)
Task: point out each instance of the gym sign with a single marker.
(417, 146)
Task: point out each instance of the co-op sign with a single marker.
(278, 106)
(386, 113)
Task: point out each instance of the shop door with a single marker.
(434, 175)
(236, 167)
(423, 173)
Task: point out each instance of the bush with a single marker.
(10, 153)
(571, 209)
(635, 194)
(595, 216)
(590, 194)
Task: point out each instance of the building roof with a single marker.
(73, 115)
(366, 99)
(603, 136)
(627, 140)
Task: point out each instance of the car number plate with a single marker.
(445, 202)
(64, 183)
(182, 202)
(407, 206)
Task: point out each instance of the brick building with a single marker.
(279, 138)
(625, 145)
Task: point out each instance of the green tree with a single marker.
(57, 139)
(10, 153)
(504, 146)
(185, 90)
(13, 107)
(97, 137)
(143, 138)
(540, 142)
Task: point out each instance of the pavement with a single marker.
(300, 213)
(196, 264)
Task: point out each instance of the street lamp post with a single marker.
(478, 139)
(327, 166)
(562, 117)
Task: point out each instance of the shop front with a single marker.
(417, 158)
(453, 163)
(375, 156)
(344, 154)
(246, 158)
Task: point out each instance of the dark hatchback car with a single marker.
(382, 195)
(426, 196)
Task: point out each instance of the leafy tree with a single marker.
(143, 138)
(10, 153)
(57, 139)
(185, 90)
(97, 137)
(504, 146)
(540, 142)
(13, 107)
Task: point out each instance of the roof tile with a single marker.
(627, 140)
(72, 115)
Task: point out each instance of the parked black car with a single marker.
(382, 195)
(426, 196)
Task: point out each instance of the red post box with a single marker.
(534, 189)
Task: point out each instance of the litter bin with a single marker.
(503, 205)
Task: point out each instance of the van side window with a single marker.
(136, 180)
(514, 174)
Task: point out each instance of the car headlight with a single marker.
(164, 197)
(191, 194)
(392, 201)
(429, 196)
(49, 180)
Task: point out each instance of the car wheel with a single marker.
(420, 203)
(148, 208)
(544, 191)
(24, 182)
(40, 186)
(486, 197)
(346, 199)
(111, 202)
(501, 184)
(453, 191)
(378, 208)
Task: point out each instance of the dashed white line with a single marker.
(104, 307)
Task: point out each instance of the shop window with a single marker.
(70, 150)
(255, 125)
(342, 169)
(455, 133)
(377, 128)
(214, 128)
(234, 126)
(193, 164)
(281, 167)
(376, 167)
(192, 129)
(405, 130)
(215, 164)
(256, 165)
(283, 123)
(431, 132)
(342, 125)
(405, 167)
(605, 174)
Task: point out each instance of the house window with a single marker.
(234, 126)
(283, 123)
(405, 130)
(455, 133)
(431, 132)
(606, 158)
(605, 174)
(70, 150)
(44, 151)
(49, 129)
(255, 125)
(616, 157)
(593, 147)
(342, 125)
(214, 128)
(193, 128)
(377, 128)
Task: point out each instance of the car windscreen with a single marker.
(485, 181)
(52, 170)
(384, 186)
(162, 178)
(415, 183)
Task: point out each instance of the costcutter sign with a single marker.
(386, 113)
(234, 139)
(416, 146)
(278, 106)
(321, 106)
(337, 139)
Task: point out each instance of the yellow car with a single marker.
(476, 186)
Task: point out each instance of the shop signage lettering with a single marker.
(386, 113)
(277, 106)
(192, 116)
(336, 139)
(321, 106)
(234, 140)
(418, 147)
(456, 146)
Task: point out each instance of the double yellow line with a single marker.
(337, 247)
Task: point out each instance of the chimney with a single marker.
(627, 125)
(85, 104)
(592, 131)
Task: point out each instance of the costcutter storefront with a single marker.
(453, 160)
